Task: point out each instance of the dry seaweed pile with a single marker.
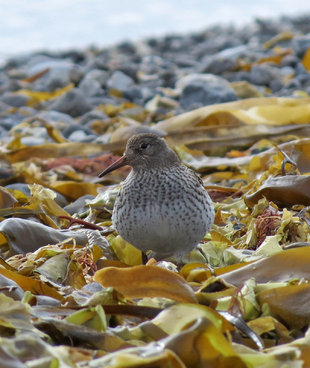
(74, 294)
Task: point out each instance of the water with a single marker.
(28, 25)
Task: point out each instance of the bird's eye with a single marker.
(144, 145)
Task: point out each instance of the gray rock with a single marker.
(4, 82)
(300, 69)
(133, 94)
(81, 136)
(289, 60)
(304, 80)
(21, 187)
(33, 141)
(301, 44)
(262, 74)
(217, 64)
(4, 107)
(98, 75)
(293, 84)
(276, 85)
(58, 119)
(60, 74)
(92, 115)
(24, 188)
(119, 81)
(90, 87)
(73, 103)
(76, 127)
(204, 89)
(3, 132)
(14, 100)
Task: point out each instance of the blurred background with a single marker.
(30, 25)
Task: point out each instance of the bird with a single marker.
(162, 205)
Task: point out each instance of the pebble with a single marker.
(59, 74)
(73, 103)
(14, 100)
(119, 81)
(204, 89)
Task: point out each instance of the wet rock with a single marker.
(301, 44)
(90, 87)
(92, 115)
(73, 103)
(75, 127)
(14, 100)
(24, 188)
(119, 81)
(216, 64)
(262, 74)
(59, 74)
(33, 141)
(81, 136)
(58, 119)
(98, 75)
(133, 94)
(205, 89)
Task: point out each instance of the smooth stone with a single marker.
(91, 88)
(8, 123)
(78, 206)
(60, 74)
(3, 132)
(293, 84)
(300, 69)
(304, 80)
(289, 60)
(76, 127)
(133, 94)
(4, 107)
(301, 44)
(4, 83)
(81, 136)
(33, 141)
(129, 68)
(14, 100)
(56, 118)
(262, 74)
(276, 85)
(205, 89)
(98, 75)
(216, 64)
(24, 188)
(21, 187)
(92, 115)
(73, 103)
(119, 81)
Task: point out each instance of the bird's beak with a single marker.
(123, 161)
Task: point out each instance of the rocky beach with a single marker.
(234, 104)
(167, 76)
